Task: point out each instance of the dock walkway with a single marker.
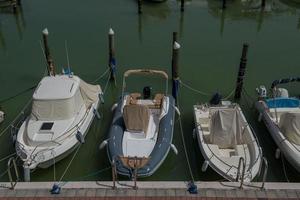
(174, 190)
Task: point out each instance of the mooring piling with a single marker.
(51, 71)
(182, 5)
(241, 73)
(139, 6)
(263, 4)
(223, 4)
(112, 60)
(175, 36)
(175, 74)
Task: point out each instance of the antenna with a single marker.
(67, 53)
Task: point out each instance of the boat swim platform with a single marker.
(171, 190)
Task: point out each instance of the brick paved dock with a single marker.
(151, 190)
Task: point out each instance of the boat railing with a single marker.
(213, 154)
(34, 154)
(12, 163)
(240, 176)
(266, 166)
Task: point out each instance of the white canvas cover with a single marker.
(61, 109)
(226, 127)
(289, 125)
(90, 93)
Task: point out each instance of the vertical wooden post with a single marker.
(175, 74)
(224, 4)
(139, 6)
(174, 38)
(51, 71)
(112, 60)
(14, 6)
(241, 73)
(263, 4)
(182, 5)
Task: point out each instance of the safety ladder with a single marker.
(12, 163)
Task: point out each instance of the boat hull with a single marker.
(158, 154)
(215, 163)
(290, 151)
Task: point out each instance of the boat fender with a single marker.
(80, 137)
(259, 117)
(103, 144)
(55, 189)
(277, 153)
(192, 188)
(97, 113)
(174, 148)
(204, 166)
(177, 111)
(101, 98)
(114, 107)
(194, 133)
(2, 116)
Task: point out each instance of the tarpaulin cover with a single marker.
(289, 125)
(226, 127)
(61, 109)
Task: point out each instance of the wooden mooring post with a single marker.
(182, 5)
(175, 72)
(51, 71)
(223, 4)
(263, 4)
(139, 6)
(241, 73)
(111, 54)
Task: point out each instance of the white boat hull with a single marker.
(290, 151)
(220, 164)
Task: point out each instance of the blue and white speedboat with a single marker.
(281, 115)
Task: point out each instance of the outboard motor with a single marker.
(261, 91)
(147, 92)
(216, 99)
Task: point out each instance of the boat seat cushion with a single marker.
(136, 118)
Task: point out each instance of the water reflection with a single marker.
(157, 10)
(252, 10)
(7, 9)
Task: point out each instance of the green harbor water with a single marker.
(211, 43)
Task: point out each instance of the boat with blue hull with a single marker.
(141, 132)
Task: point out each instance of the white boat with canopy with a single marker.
(281, 115)
(227, 142)
(63, 108)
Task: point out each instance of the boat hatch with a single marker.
(47, 126)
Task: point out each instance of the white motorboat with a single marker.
(281, 115)
(63, 108)
(1, 116)
(227, 142)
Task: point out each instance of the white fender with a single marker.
(173, 147)
(277, 153)
(114, 107)
(204, 166)
(103, 144)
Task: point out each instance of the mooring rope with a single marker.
(184, 146)
(283, 167)
(67, 168)
(193, 89)
(88, 175)
(229, 95)
(18, 94)
(6, 157)
(101, 76)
